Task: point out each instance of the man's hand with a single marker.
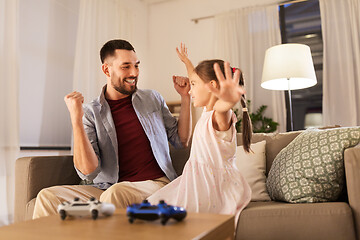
(85, 159)
(181, 85)
(74, 103)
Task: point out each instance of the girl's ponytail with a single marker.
(246, 121)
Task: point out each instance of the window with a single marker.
(301, 23)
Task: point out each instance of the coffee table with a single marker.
(117, 226)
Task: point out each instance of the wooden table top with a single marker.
(117, 226)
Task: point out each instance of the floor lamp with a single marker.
(288, 67)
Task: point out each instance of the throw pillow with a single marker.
(253, 166)
(311, 167)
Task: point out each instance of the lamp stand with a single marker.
(290, 104)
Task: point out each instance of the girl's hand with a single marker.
(230, 91)
(182, 53)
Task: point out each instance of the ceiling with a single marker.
(155, 1)
(160, 1)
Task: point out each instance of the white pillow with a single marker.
(253, 166)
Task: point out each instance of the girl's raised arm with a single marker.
(183, 55)
(228, 95)
(230, 91)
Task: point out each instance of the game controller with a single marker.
(146, 211)
(92, 207)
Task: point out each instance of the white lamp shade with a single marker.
(313, 120)
(288, 67)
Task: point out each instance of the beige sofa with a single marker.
(260, 220)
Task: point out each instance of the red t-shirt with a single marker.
(136, 159)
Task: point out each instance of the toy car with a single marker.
(146, 211)
(92, 207)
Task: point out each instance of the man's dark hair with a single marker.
(109, 48)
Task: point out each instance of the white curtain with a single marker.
(99, 22)
(241, 37)
(9, 140)
(340, 23)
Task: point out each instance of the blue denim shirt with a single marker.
(158, 123)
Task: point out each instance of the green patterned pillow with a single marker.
(311, 167)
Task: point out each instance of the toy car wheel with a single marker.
(62, 214)
(131, 220)
(94, 214)
(163, 219)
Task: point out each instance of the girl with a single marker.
(210, 182)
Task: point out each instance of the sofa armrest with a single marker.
(35, 173)
(352, 172)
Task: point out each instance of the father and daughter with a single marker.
(125, 120)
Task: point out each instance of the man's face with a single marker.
(124, 71)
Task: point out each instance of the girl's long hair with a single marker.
(205, 70)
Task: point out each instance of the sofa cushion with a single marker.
(253, 166)
(311, 167)
(275, 142)
(277, 220)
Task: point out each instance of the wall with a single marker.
(140, 37)
(47, 43)
(170, 23)
(47, 30)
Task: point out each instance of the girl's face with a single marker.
(199, 93)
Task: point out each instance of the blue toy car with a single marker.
(146, 211)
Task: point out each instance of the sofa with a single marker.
(259, 220)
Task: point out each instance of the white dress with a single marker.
(210, 182)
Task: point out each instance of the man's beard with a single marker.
(122, 89)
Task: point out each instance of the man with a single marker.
(121, 138)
